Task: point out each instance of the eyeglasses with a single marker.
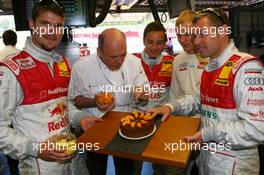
(214, 12)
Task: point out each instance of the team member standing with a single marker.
(187, 69)
(158, 68)
(111, 69)
(33, 92)
(230, 101)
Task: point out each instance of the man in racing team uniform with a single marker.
(231, 102)
(33, 90)
(157, 66)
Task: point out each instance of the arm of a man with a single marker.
(248, 93)
(175, 88)
(77, 117)
(76, 88)
(180, 103)
(12, 143)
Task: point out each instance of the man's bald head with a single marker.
(112, 37)
(112, 48)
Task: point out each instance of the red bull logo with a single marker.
(58, 110)
(53, 126)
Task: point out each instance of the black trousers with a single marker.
(97, 164)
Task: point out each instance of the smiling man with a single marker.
(229, 101)
(158, 68)
(33, 90)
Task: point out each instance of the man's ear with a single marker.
(31, 23)
(99, 52)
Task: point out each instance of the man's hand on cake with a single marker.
(87, 122)
(163, 110)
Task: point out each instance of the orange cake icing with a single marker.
(137, 125)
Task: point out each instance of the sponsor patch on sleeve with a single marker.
(253, 71)
(12, 65)
(240, 62)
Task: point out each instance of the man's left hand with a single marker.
(196, 138)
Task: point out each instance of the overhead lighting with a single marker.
(1, 11)
(123, 4)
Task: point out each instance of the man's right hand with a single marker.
(48, 152)
(105, 107)
(105, 101)
(163, 110)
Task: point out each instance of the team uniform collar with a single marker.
(151, 61)
(220, 61)
(39, 53)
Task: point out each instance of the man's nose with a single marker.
(154, 45)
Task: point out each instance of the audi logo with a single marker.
(254, 81)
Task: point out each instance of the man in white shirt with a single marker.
(111, 69)
(10, 40)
